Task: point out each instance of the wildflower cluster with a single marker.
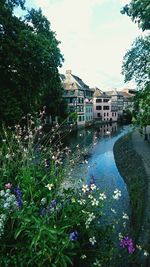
(2, 223)
(127, 242)
(60, 225)
(117, 194)
(8, 200)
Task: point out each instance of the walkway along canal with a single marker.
(96, 160)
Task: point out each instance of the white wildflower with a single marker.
(2, 193)
(97, 263)
(102, 196)
(92, 240)
(83, 257)
(49, 186)
(113, 210)
(81, 201)
(146, 253)
(94, 202)
(6, 205)
(125, 216)
(139, 247)
(124, 224)
(85, 188)
(43, 201)
(90, 196)
(120, 236)
(73, 200)
(93, 187)
(90, 218)
(117, 194)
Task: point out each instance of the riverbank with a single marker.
(132, 156)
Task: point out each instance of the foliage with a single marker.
(136, 62)
(139, 11)
(136, 66)
(142, 102)
(29, 56)
(44, 223)
(127, 116)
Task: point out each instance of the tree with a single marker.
(29, 61)
(139, 11)
(136, 62)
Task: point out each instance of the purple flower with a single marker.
(127, 242)
(73, 236)
(47, 163)
(42, 211)
(53, 203)
(18, 195)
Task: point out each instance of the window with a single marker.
(98, 108)
(98, 100)
(107, 114)
(112, 114)
(105, 107)
(104, 114)
(98, 115)
(105, 99)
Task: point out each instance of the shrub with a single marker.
(42, 222)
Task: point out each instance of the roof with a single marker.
(71, 82)
(80, 82)
(129, 91)
(113, 92)
(99, 93)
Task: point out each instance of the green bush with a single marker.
(43, 222)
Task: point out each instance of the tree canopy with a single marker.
(29, 61)
(139, 11)
(136, 62)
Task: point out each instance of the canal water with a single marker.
(92, 157)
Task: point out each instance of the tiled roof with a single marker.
(80, 82)
(100, 93)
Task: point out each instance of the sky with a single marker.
(94, 37)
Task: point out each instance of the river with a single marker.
(92, 154)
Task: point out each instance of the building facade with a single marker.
(78, 96)
(103, 107)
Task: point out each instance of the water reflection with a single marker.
(97, 160)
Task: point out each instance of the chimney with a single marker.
(68, 72)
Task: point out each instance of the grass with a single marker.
(132, 170)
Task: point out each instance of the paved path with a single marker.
(142, 147)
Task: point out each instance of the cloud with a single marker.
(94, 37)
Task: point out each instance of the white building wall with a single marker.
(88, 112)
(103, 110)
